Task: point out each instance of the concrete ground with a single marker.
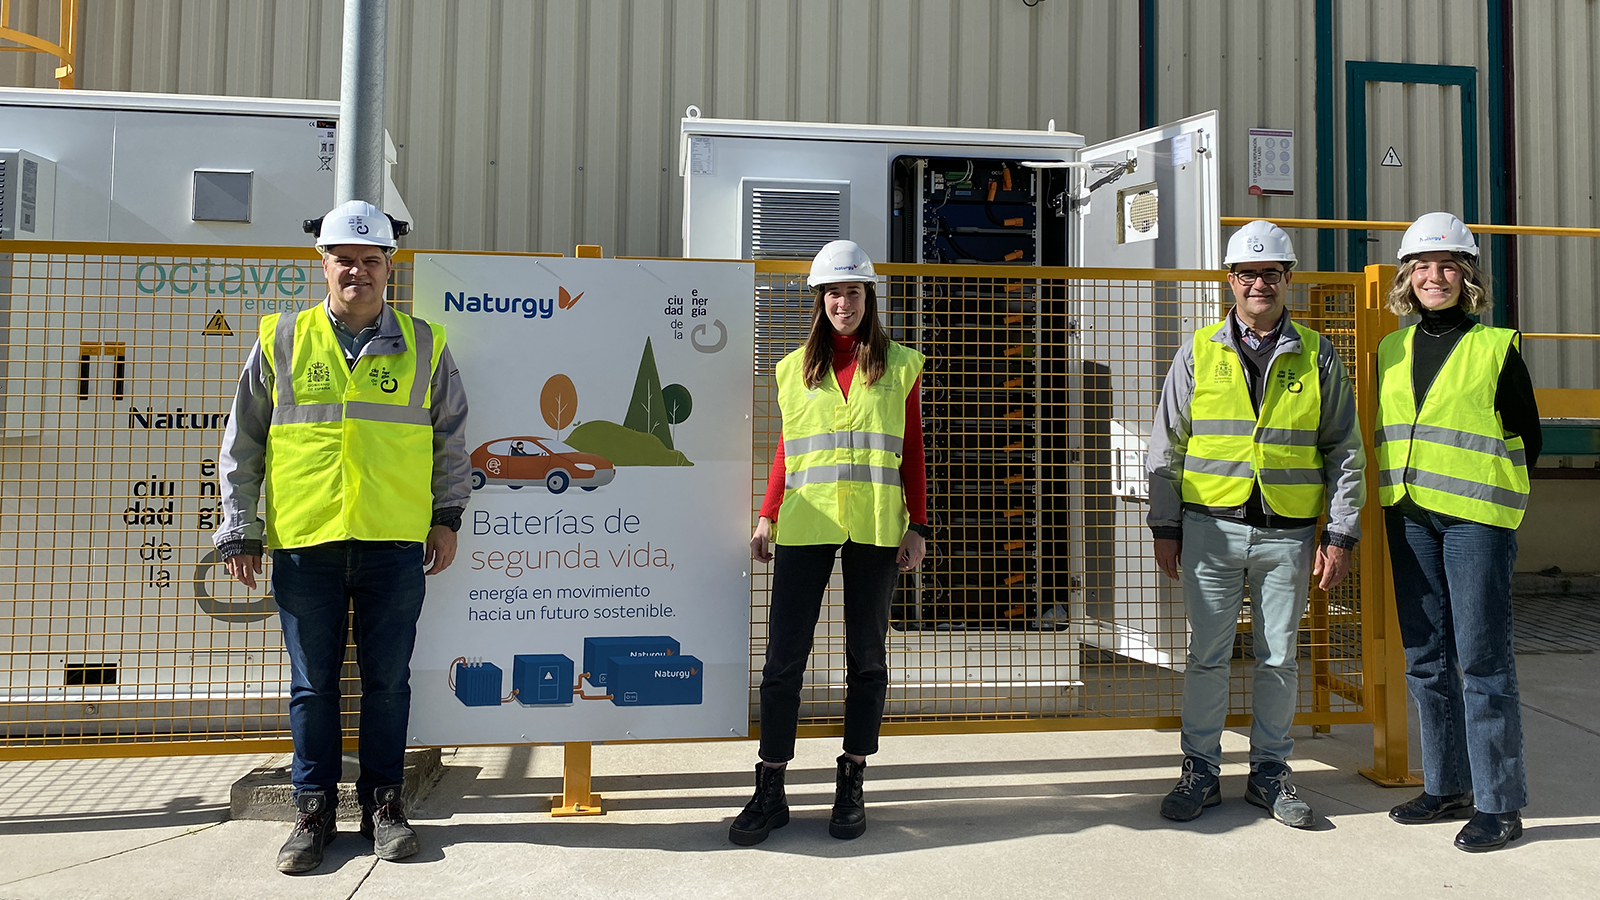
(1018, 815)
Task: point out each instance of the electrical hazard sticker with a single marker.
(218, 326)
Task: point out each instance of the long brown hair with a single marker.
(872, 345)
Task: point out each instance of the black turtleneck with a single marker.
(1437, 334)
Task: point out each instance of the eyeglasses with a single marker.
(1249, 278)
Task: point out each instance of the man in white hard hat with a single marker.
(1255, 438)
(350, 418)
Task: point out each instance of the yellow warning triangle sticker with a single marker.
(218, 326)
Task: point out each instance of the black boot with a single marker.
(768, 809)
(849, 812)
(1489, 831)
(313, 830)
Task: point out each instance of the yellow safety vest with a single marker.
(1453, 455)
(1232, 447)
(349, 452)
(842, 458)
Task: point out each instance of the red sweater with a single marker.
(913, 464)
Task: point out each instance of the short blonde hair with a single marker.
(1476, 296)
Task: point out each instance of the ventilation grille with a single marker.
(793, 223)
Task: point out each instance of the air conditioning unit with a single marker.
(27, 196)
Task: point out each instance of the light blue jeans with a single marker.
(1219, 558)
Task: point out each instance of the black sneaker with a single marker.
(1197, 789)
(386, 827)
(1270, 789)
(313, 830)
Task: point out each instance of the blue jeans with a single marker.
(314, 588)
(1219, 557)
(800, 575)
(1452, 584)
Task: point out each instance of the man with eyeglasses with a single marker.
(349, 426)
(1255, 438)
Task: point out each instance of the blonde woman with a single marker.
(1457, 431)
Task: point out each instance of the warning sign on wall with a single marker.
(1271, 162)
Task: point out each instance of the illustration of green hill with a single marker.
(624, 446)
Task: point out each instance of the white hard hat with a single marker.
(1260, 241)
(840, 261)
(355, 222)
(1437, 231)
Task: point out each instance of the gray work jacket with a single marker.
(1338, 437)
(241, 467)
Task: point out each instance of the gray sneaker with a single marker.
(1197, 789)
(1270, 789)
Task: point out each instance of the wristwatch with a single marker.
(920, 529)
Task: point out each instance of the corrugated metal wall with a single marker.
(1558, 132)
(540, 125)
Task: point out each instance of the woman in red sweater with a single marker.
(848, 483)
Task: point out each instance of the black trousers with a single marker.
(799, 579)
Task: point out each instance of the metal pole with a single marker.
(360, 143)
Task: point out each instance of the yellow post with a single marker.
(1383, 655)
(576, 799)
(588, 251)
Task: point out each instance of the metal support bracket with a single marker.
(576, 798)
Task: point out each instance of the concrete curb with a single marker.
(267, 794)
(1560, 584)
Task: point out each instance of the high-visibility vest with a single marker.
(1232, 447)
(1453, 455)
(349, 452)
(842, 458)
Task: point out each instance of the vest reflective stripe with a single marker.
(1451, 456)
(866, 440)
(349, 451)
(1231, 448)
(832, 474)
(842, 457)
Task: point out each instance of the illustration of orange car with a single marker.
(524, 460)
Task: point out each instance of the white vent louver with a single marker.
(793, 224)
(789, 219)
(792, 219)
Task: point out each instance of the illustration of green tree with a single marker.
(647, 409)
(558, 402)
(679, 404)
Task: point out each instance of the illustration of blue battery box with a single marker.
(598, 651)
(663, 681)
(478, 683)
(542, 679)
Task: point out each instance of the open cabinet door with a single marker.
(1149, 200)
(1145, 201)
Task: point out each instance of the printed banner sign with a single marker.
(601, 586)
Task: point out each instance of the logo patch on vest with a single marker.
(1223, 373)
(1289, 380)
(318, 377)
(386, 382)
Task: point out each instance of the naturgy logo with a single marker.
(527, 307)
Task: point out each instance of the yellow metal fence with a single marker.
(1039, 606)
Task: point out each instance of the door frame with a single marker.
(1357, 75)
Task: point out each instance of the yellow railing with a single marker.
(1039, 607)
(66, 51)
